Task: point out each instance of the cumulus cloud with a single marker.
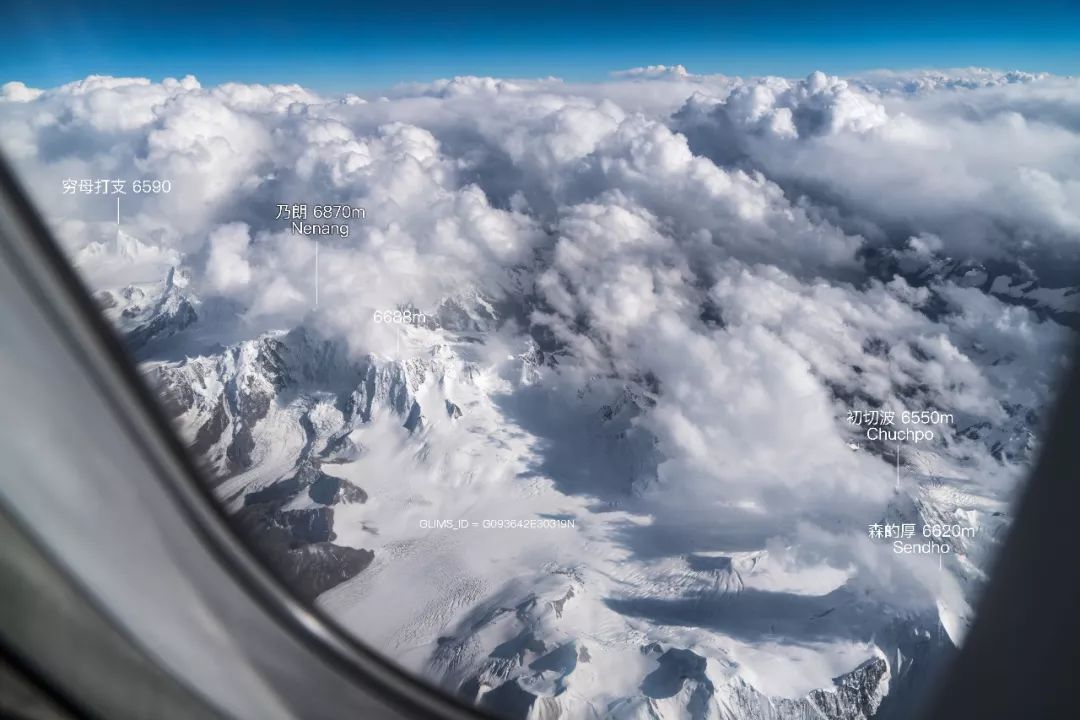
(227, 267)
(18, 92)
(981, 164)
(751, 258)
(923, 81)
(653, 71)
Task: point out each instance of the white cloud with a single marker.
(18, 92)
(653, 71)
(227, 268)
(755, 256)
(989, 167)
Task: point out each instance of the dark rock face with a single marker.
(322, 488)
(508, 700)
(210, 432)
(308, 568)
(676, 667)
(313, 569)
(855, 694)
(340, 449)
(415, 420)
(325, 489)
(298, 544)
(312, 525)
(330, 490)
(276, 494)
(239, 452)
(561, 660)
(517, 647)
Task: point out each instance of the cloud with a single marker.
(989, 167)
(653, 71)
(227, 267)
(749, 259)
(913, 82)
(18, 92)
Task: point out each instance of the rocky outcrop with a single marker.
(308, 568)
(172, 312)
(223, 401)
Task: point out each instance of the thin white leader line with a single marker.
(117, 209)
(897, 466)
(316, 272)
(939, 597)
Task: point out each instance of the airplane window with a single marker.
(588, 362)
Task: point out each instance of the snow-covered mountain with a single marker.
(572, 421)
(376, 484)
(292, 426)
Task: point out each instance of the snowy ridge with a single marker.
(287, 415)
(330, 461)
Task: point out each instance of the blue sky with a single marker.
(338, 46)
